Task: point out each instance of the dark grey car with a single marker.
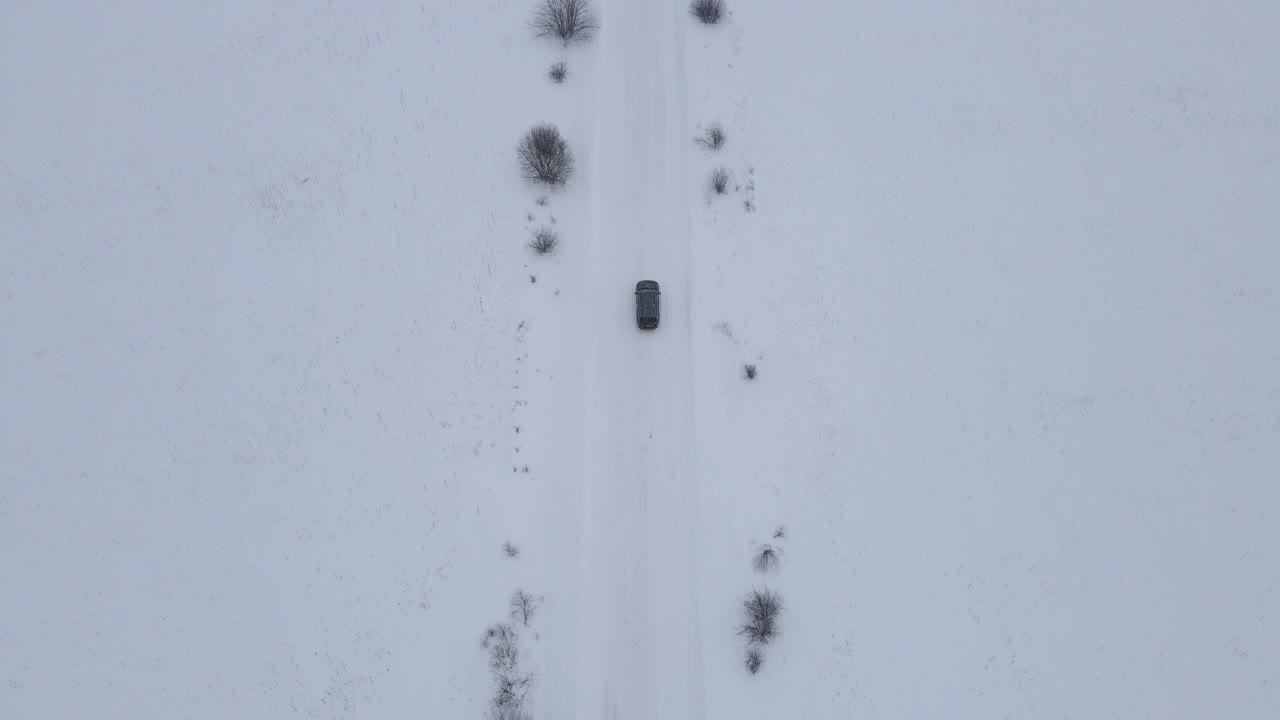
(647, 304)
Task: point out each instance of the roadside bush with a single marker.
(500, 641)
(558, 71)
(712, 138)
(545, 156)
(766, 560)
(780, 533)
(708, 11)
(760, 609)
(749, 371)
(569, 20)
(522, 607)
(720, 180)
(511, 682)
(509, 693)
(545, 240)
(755, 659)
(509, 712)
(511, 549)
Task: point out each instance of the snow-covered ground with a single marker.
(277, 381)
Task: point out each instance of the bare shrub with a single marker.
(523, 606)
(723, 328)
(511, 684)
(559, 70)
(755, 659)
(510, 691)
(780, 533)
(760, 609)
(708, 11)
(499, 632)
(504, 654)
(545, 240)
(541, 201)
(569, 20)
(712, 138)
(749, 371)
(511, 549)
(720, 180)
(545, 156)
(766, 560)
(509, 712)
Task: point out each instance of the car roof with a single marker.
(647, 285)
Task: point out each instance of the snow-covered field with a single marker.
(279, 377)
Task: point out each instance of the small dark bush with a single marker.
(545, 156)
(720, 180)
(511, 684)
(500, 641)
(523, 606)
(749, 371)
(558, 72)
(760, 609)
(780, 533)
(708, 11)
(766, 559)
(545, 240)
(712, 138)
(755, 659)
(569, 20)
(509, 712)
(509, 694)
(511, 549)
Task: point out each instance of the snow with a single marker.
(273, 366)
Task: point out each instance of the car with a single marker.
(647, 304)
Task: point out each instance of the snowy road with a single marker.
(639, 650)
